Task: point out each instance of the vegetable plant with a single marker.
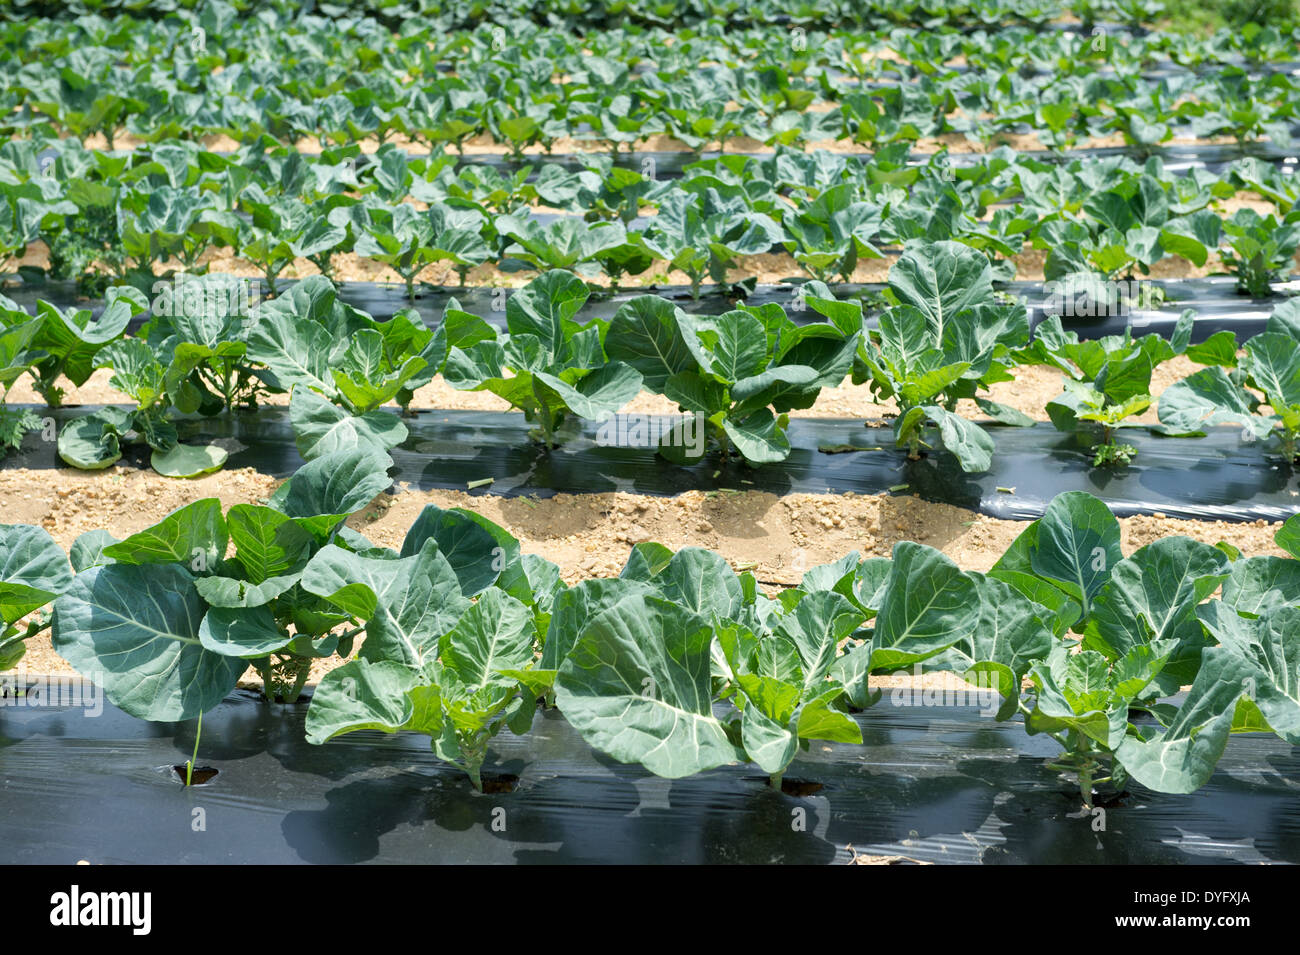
(741, 371)
(1260, 250)
(545, 363)
(1107, 380)
(168, 599)
(433, 662)
(946, 337)
(341, 365)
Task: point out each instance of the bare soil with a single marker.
(588, 535)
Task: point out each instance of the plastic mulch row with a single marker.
(1214, 299)
(933, 783)
(1218, 477)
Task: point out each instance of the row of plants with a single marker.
(680, 663)
(439, 15)
(315, 45)
(943, 335)
(532, 91)
(126, 217)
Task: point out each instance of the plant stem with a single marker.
(544, 415)
(189, 767)
(774, 781)
(41, 629)
(300, 682)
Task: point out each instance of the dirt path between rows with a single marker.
(777, 538)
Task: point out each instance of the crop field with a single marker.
(885, 415)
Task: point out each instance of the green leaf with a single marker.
(1183, 757)
(134, 630)
(33, 570)
(89, 443)
(644, 334)
(637, 687)
(1077, 544)
(1268, 645)
(968, 442)
(1151, 598)
(770, 742)
(1274, 364)
(472, 551)
(195, 535)
(1288, 536)
(941, 279)
(545, 308)
(245, 632)
(759, 437)
(327, 489)
(1208, 398)
(407, 603)
(929, 605)
(188, 461)
(361, 695)
(578, 605)
(321, 427)
(701, 582)
(816, 627)
(598, 394)
(88, 550)
(493, 635)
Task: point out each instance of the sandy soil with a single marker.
(777, 538)
(484, 145)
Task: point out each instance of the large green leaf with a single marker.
(598, 394)
(1274, 364)
(326, 490)
(188, 460)
(967, 441)
(246, 632)
(493, 635)
(1183, 757)
(1257, 584)
(134, 630)
(577, 606)
(408, 603)
(1151, 597)
(545, 308)
(471, 550)
(644, 334)
(195, 535)
(929, 605)
(322, 427)
(1000, 649)
(33, 570)
(636, 686)
(362, 695)
(702, 582)
(1208, 398)
(295, 349)
(941, 279)
(90, 443)
(1077, 545)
